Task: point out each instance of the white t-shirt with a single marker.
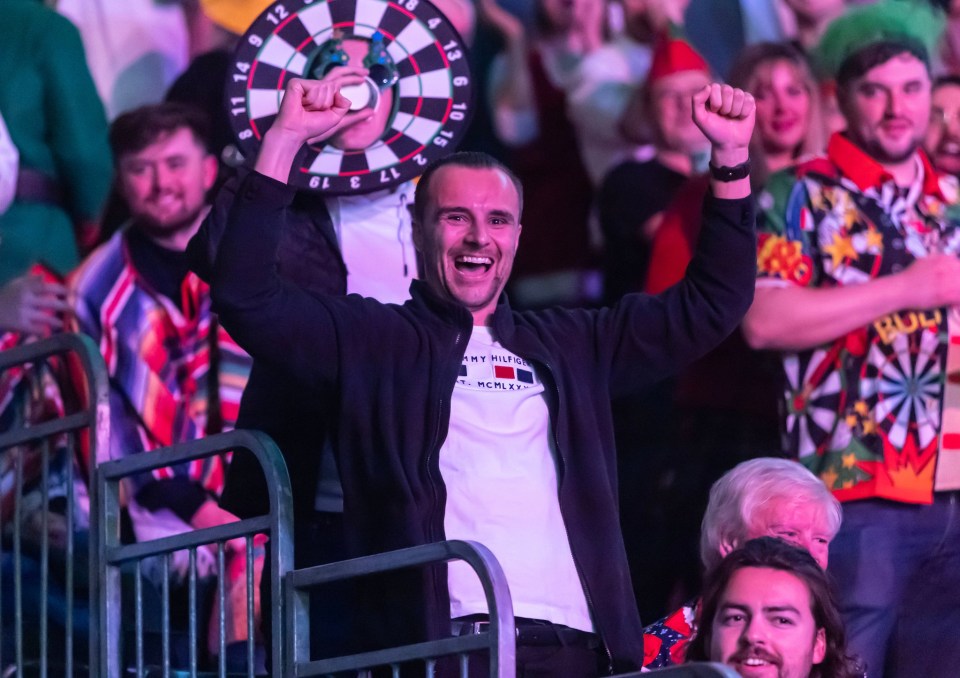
(498, 464)
(374, 231)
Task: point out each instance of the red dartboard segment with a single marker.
(434, 95)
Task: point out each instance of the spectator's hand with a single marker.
(342, 76)
(313, 108)
(211, 515)
(932, 282)
(725, 115)
(500, 20)
(31, 305)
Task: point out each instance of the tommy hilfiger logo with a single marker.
(496, 371)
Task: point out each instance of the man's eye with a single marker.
(731, 618)
(783, 621)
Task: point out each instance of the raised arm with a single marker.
(726, 116)
(273, 320)
(310, 110)
(657, 335)
(795, 318)
(511, 91)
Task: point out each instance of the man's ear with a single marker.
(210, 169)
(819, 646)
(416, 233)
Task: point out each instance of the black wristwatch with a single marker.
(725, 174)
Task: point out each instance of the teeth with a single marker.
(475, 260)
(754, 661)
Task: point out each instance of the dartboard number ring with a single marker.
(433, 96)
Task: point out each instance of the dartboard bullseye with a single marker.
(430, 103)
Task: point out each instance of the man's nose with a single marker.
(478, 233)
(894, 104)
(162, 178)
(754, 632)
(952, 122)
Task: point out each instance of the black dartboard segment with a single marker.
(434, 94)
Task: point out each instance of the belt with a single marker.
(34, 186)
(530, 632)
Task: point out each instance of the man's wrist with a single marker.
(277, 153)
(729, 157)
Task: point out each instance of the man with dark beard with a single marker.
(175, 375)
(859, 285)
(768, 610)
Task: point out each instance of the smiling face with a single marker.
(764, 626)
(671, 99)
(943, 135)
(888, 108)
(797, 521)
(165, 185)
(783, 106)
(468, 236)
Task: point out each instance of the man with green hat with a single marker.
(859, 287)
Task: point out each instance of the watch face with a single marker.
(427, 84)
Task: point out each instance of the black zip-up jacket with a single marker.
(393, 369)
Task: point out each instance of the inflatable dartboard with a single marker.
(427, 73)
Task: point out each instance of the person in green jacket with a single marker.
(57, 123)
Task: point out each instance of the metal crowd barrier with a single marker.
(42, 572)
(499, 641)
(111, 555)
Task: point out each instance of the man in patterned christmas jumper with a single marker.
(175, 374)
(858, 284)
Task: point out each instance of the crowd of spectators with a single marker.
(842, 362)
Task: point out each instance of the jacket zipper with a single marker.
(435, 449)
(576, 563)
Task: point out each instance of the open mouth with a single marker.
(755, 663)
(472, 265)
(951, 148)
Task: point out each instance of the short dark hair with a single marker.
(945, 80)
(472, 159)
(134, 130)
(775, 554)
(875, 54)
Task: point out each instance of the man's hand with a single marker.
(725, 115)
(211, 515)
(310, 109)
(931, 282)
(31, 305)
